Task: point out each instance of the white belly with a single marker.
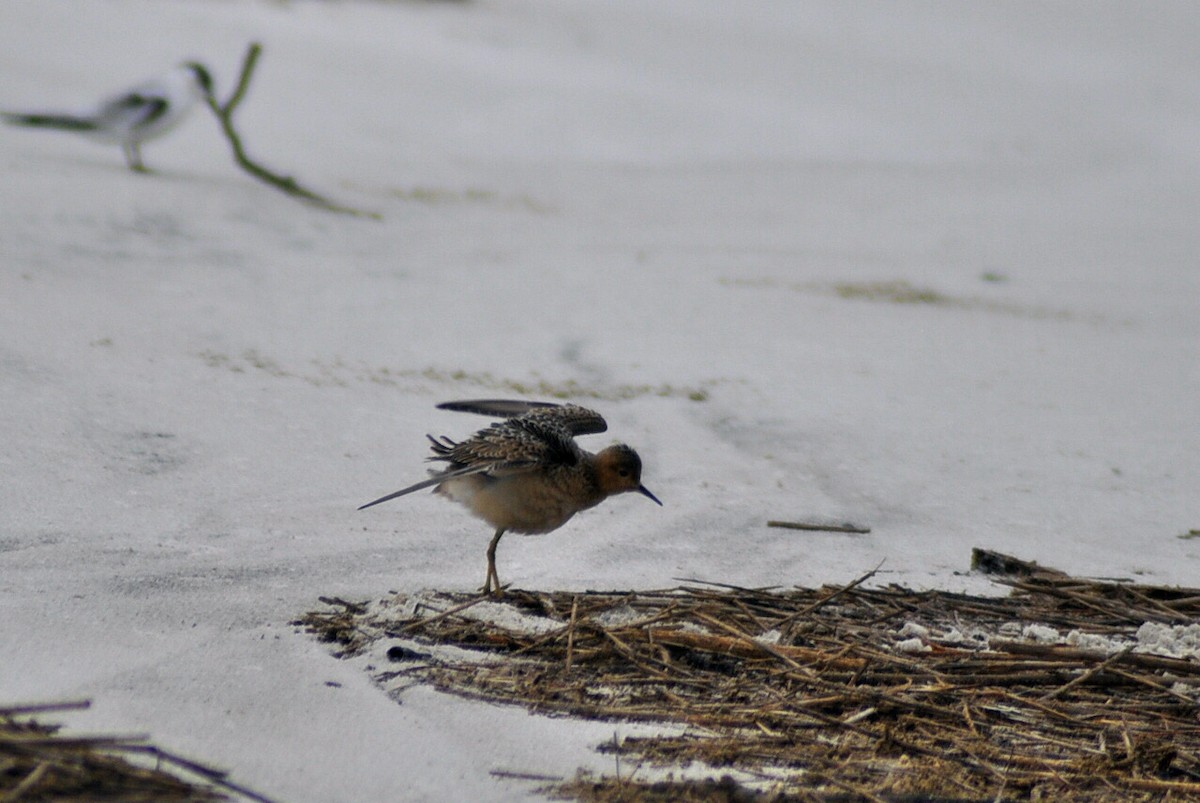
(522, 503)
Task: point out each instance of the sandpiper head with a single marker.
(619, 469)
(202, 76)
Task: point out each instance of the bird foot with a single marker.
(494, 593)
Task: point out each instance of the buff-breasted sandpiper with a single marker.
(526, 474)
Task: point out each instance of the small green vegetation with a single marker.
(897, 292)
(340, 374)
(264, 364)
(215, 359)
(436, 196)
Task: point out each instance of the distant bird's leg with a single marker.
(491, 570)
(133, 157)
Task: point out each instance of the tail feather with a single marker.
(62, 122)
(436, 479)
(442, 447)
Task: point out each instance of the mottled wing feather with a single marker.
(136, 108)
(505, 444)
(152, 109)
(577, 420)
(488, 449)
(541, 436)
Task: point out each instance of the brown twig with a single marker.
(571, 632)
(1088, 675)
(437, 617)
(42, 708)
(809, 609)
(823, 528)
(288, 184)
(40, 764)
(214, 776)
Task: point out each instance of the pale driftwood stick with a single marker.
(41, 708)
(823, 528)
(770, 649)
(1155, 785)
(224, 113)
(989, 561)
(129, 742)
(436, 617)
(216, 777)
(355, 608)
(1057, 652)
(629, 655)
(1086, 676)
(525, 776)
(854, 789)
(809, 609)
(571, 632)
(743, 646)
(31, 780)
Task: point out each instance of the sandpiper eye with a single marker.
(624, 472)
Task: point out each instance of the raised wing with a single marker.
(575, 419)
(501, 408)
(519, 444)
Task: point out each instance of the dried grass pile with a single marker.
(838, 693)
(37, 763)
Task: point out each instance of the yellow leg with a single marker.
(491, 571)
(133, 157)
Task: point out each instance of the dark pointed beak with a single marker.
(644, 491)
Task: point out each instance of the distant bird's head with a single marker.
(201, 75)
(619, 469)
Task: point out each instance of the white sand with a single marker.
(200, 378)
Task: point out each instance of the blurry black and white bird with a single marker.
(144, 112)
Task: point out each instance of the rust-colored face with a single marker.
(620, 470)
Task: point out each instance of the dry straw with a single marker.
(37, 763)
(838, 693)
